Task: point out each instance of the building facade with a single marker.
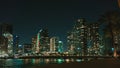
(3, 46)
(54, 44)
(41, 42)
(60, 46)
(15, 44)
(6, 30)
(85, 40)
(77, 43)
(27, 49)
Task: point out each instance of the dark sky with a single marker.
(29, 16)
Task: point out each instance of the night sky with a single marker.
(29, 16)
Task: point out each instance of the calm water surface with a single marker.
(31, 63)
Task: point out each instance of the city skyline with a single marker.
(28, 17)
(62, 34)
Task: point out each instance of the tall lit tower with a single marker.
(10, 42)
(38, 42)
(60, 46)
(44, 40)
(3, 45)
(84, 39)
(77, 38)
(94, 40)
(54, 44)
(7, 31)
(15, 44)
(34, 43)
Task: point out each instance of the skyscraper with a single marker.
(95, 42)
(41, 42)
(77, 38)
(54, 44)
(15, 44)
(44, 40)
(3, 45)
(34, 41)
(10, 42)
(85, 40)
(7, 31)
(60, 46)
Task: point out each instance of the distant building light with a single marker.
(16, 36)
(78, 20)
(60, 41)
(20, 45)
(78, 48)
(112, 49)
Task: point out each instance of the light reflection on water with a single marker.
(30, 63)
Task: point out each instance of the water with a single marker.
(31, 63)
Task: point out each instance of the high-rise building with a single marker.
(95, 41)
(20, 49)
(10, 42)
(38, 43)
(27, 48)
(15, 44)
(60, 46)
(77, 43)
(3, 45)
(44, 41)
(85, 39)
(7, 31)
(34, 43)
(54, 43)
(41, 42)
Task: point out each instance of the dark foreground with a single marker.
(60, 63)
(99, 63)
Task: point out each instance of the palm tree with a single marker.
(112, 21)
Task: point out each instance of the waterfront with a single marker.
(31, 63)
(59, 63)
